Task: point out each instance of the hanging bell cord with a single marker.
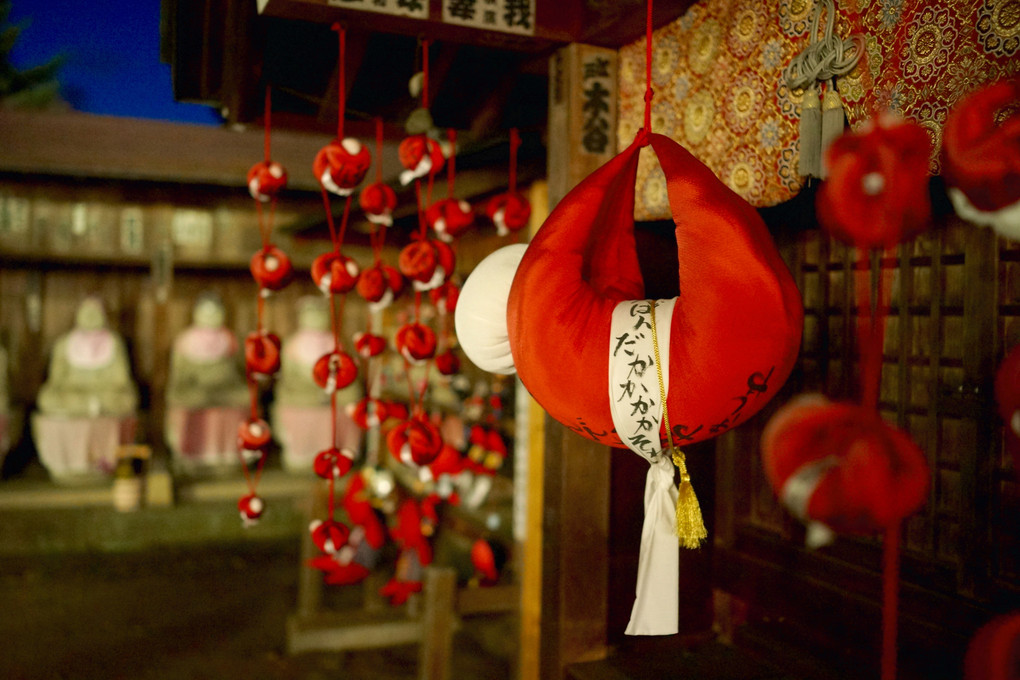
(690, 525)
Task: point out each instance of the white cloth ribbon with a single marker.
(796, 495)
(636, 407)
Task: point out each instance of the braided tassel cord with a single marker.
(833, 122)
(810, 163)
(690, 525)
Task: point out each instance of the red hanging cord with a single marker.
(268, 123)
(422, 223)
(515, 142)
(451, 135)
(329, 221)
(890, 599)
(343, 222)
(648, 70)
(378, 148)
(425, 73)
(871, 317)
(341, 80)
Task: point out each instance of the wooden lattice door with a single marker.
(954, 307)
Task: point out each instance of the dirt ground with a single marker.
(211, 613)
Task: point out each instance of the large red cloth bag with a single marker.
(597, 355)
(735, 329)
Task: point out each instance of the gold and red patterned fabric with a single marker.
(719, 90)
(923, 56)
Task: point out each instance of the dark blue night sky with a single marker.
(111, 50)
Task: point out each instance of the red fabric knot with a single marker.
(329, 536)
(332, 463)
(271, 268)
(877, 192)
(415, 441)
(867, 475)
(262, 353)
(335, 273)
(334, 371)
(416, 342)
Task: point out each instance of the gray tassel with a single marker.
(833, 122)
(810, 134)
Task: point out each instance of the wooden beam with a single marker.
(555, 24)
(84, 145)
(576, 475)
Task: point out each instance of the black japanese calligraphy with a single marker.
(596, 68)
(517, 13)
(595, 108)
(411, 5)
(462, 9)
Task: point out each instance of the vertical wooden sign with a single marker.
(582, 114)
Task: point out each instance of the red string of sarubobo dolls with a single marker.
(379, 285)
(510, 211)
(340, 166)
(272, 270)
(428, 263)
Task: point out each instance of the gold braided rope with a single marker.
(690, 525)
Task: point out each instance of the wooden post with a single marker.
(437, 621)
(575, 489)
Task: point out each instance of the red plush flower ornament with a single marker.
(427, 262)
(334, 371)
(333, 463)
(335, 272)
(329, 535)
(341, 165)
(251, 508)
(840, 467)
(876, 195)
(994, 651)
(1007, 396)
(420, 155)
(380, 285)
(509, 212)
(981, 157)
(416, 342)
(266, 179)
(1007, 390)
(253, 434)
(271, 268)
(448, 363)
(262, 353)
(369, 345)
(416, 441)
(445, 297)
(449, 218)
(378, 200)
(368, 412)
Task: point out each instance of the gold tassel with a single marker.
(833, 122)
(690, 526)
(810, 164)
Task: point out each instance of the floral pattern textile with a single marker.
(717, 76)
(719, 91)
(924, 56)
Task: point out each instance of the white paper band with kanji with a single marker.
(633, 376)
(635, 404)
